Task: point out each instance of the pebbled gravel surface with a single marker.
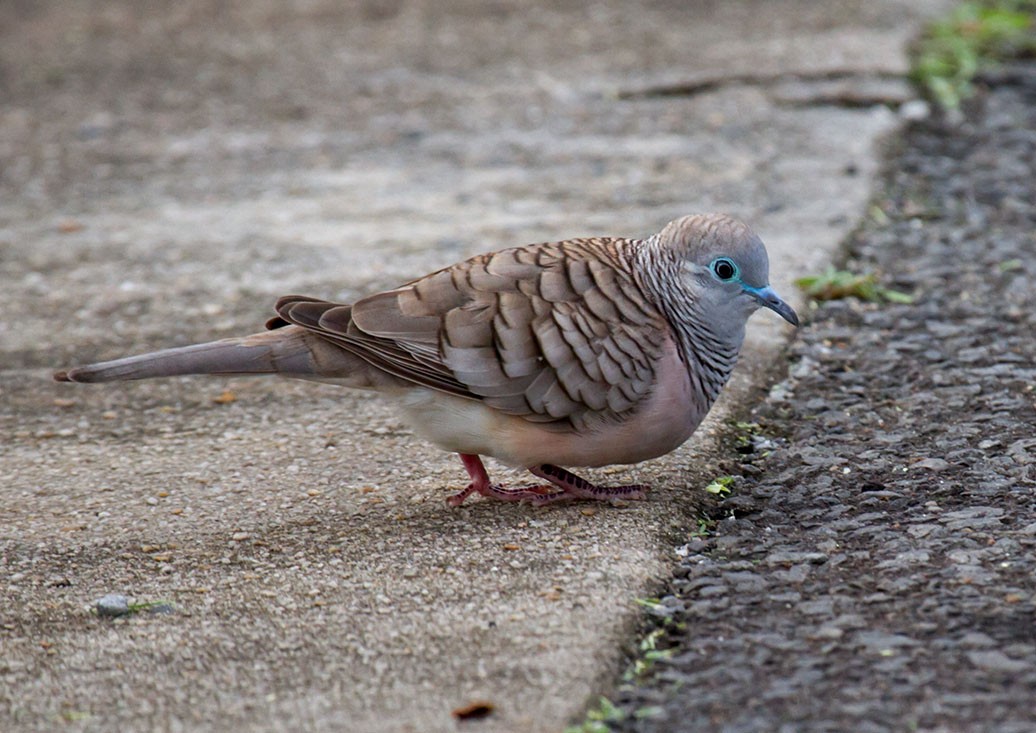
(877, 571)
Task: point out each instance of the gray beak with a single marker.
(769, 299)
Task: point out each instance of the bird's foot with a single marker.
(458, 498)
(533, 494)
(575, 487)
(563, 486)
(480, 485)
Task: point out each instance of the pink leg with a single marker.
(564, 486)
(477, 474)
(480, 485)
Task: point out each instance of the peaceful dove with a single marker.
(585, 352)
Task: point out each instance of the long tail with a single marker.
(288, 351)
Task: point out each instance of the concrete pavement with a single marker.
(165, 174)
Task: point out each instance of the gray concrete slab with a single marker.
(166, 173)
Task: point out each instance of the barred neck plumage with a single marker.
(708, 354)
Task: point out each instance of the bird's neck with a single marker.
(708, 352)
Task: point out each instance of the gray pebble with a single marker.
(996, 661)
(113, 604)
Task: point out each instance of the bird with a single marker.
(580, 353)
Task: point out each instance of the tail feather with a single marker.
(284, 351)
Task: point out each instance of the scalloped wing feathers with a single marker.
(548, 332)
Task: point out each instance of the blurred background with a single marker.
(341, 146)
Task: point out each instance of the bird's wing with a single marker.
(549, 332)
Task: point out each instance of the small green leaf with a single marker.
(147, 605)
(704, 527)
(878, 215)
(894, 296)
(649, 711)
(655, 654)
(75, 716)
(647, 602)
(605, 712)
(835, 284)
(650, 642)
(597, 718)
(588, 726)
(720, 486)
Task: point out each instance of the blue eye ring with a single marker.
(725, 269)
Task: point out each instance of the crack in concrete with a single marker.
(846, 99)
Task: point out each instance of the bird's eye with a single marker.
(724, 268)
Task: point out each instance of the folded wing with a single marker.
(549, 332)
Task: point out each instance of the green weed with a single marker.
(597, 718)
(837, 284)
(720, 486)
(973, 37)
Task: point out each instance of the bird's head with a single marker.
(724, 265)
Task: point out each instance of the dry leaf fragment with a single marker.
(474, 711)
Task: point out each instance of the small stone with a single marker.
(817, 607)
(995, 661)
(880, 641)
(113, 604)
(915, 110)
(792, 558)
(828, 633)
(977, 639)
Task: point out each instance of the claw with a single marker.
(564, 486)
